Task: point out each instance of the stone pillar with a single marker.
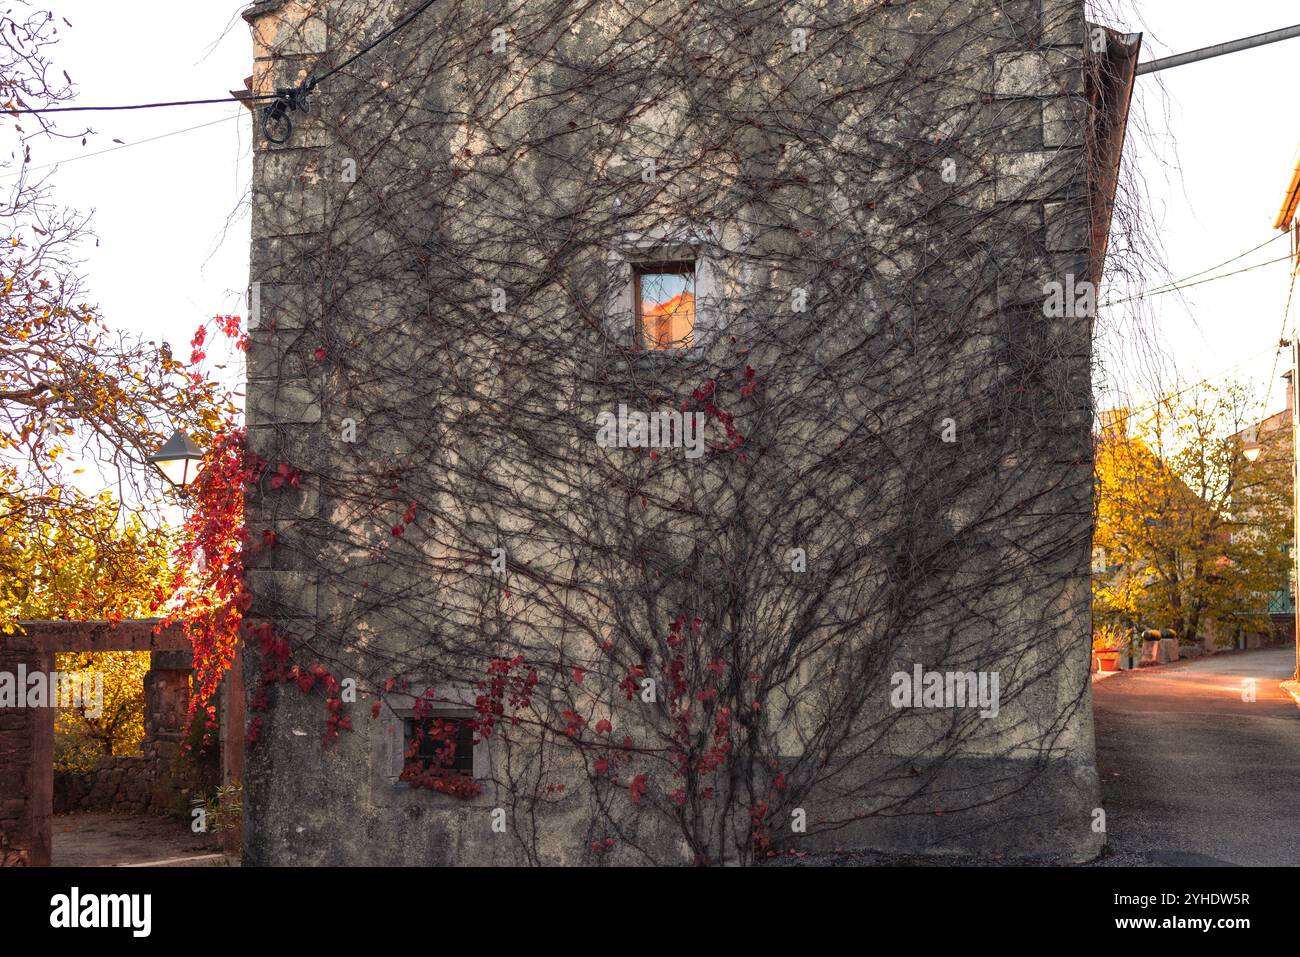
(167, 693)
(26, 771)
(166, 705)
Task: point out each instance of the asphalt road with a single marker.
(1193, 775)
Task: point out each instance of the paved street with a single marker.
(1193, 775)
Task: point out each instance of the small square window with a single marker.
(430, 743)
(441, 745)
(663, 298)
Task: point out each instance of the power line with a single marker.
(1184, 284)
(1236, 365)
(1181, 284)
(1228, 262)
(278, 97)
(1170, 286)
(1210, 378)
(401, 25)
(1278, 351)
(123, 146)
(140, 106)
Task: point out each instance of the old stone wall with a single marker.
(430, 176)
(121, 784)
(26, 744)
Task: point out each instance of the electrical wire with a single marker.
(1200, 382)
(123, 146)
(139, 106)
(1221, 373)
(1278, 351)
(401, 25)
(1183, 284)
(307, 86)
(1228, 262)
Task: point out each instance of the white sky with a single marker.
(1223, 145)
(174, 232)
(170, 255)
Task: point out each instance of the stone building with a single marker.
(873, 228)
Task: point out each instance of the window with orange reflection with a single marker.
(664, 297)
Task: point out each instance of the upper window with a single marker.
(664, 291)
(663, 298)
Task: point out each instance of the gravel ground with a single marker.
(105, 840)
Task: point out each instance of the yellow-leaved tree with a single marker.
(89, 560)
(1190, 534)
(75, 394)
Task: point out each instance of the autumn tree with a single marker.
(85, 561)
(81, 406)
(74, 393)
(115, 726)
(1190, 533)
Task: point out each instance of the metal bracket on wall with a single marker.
(277, 125)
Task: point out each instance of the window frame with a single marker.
(695, 244)
(462, 728)
(678, 266)
(445, 703)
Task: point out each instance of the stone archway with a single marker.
(27, 734)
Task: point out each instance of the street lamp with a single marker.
(1251, 450)
(179, 460)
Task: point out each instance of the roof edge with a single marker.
(1286, 215)
(261, 8)
(1122, 52)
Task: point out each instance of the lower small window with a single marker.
(441, 743)
(439, 754)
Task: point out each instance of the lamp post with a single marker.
(179, 460)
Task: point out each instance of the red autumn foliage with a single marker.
(637, 788)
(210, 600)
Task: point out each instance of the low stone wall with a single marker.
(120, 784)
(149, 783)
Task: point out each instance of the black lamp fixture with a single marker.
(179, 460)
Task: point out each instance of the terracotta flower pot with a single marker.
(1108, 661)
